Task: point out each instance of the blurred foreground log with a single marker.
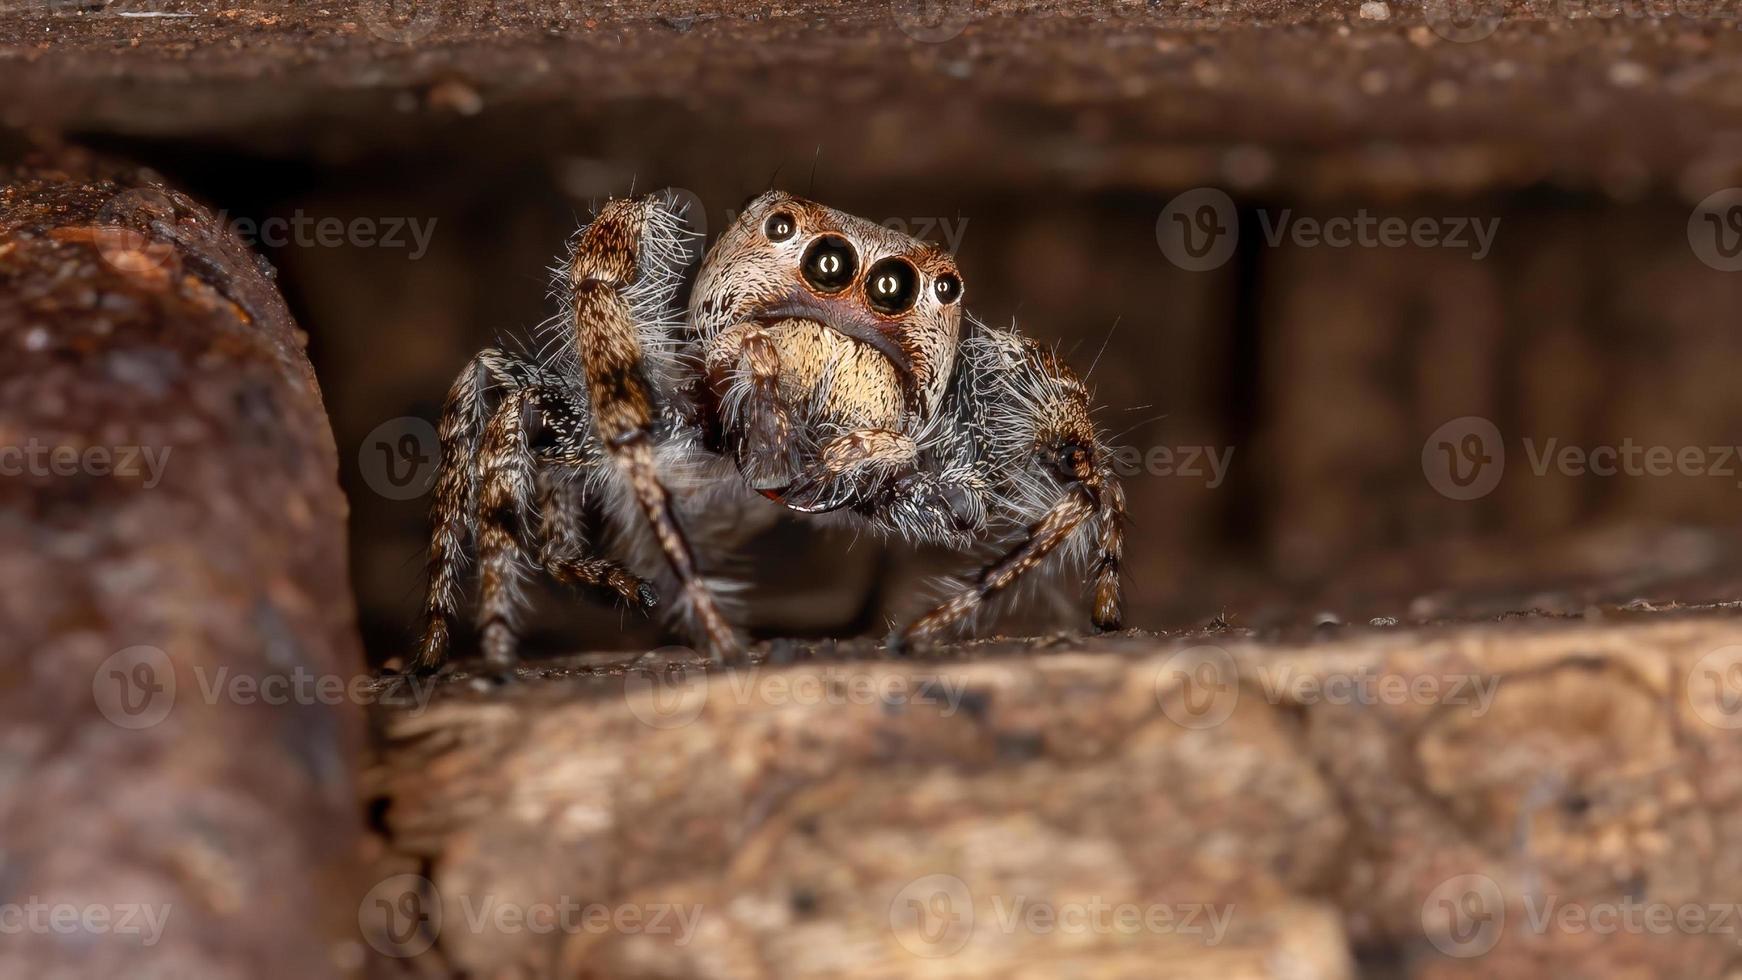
(1483, 800)
(176, 777)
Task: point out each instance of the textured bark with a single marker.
(1319, 97)
(171, 532)
(1207, 771)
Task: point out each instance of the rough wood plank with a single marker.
(170, 525)
(1325, 97)
(1327, 793)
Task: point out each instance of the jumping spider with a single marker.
(824, 363)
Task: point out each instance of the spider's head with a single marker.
(788, 258)
(1031, 418)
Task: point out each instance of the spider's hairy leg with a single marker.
(564, 551)
(506, 483)
(607, 261)
(1109, 599)
(1042, 538)
(456, 493)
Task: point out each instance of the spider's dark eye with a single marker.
(948, 288)
(829, 264)
(891, 285)
(779, 226)
(1068, 459)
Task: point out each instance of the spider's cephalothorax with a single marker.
(824, 364)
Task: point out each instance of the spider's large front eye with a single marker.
(891, 286)
(1067, 460)
(948, 288)
(780, 226)
(830, 264)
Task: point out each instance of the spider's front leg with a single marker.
(614, 254)
(1093, 496)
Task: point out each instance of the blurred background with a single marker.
(1312, 250)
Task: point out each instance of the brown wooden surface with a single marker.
(1324, 97)
(129, 590)
(1209, 770)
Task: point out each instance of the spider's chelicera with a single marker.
(824, 365)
